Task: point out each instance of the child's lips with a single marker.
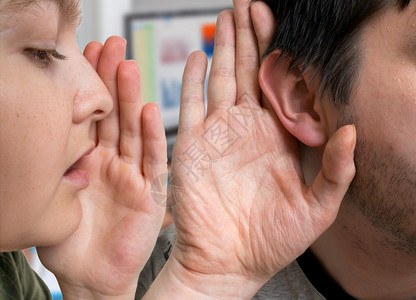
(69, 170)
(77, 175)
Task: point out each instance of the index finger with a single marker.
(111, 57)
(247, 54)
(264, 23)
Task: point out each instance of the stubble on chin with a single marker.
(384, 190)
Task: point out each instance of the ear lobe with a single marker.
(293, 99)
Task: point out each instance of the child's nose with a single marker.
(93, 100)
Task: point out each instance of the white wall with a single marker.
(101, 19)
(155, 5)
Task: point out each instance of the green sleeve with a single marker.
(18, 280)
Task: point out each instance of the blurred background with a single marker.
(103, 18)
(160, 34)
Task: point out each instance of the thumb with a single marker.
(337, 172)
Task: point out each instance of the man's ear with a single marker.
(293, 97)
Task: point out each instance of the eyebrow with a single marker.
(70, 10)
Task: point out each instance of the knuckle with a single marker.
(192, 99)
(248, 61)
(223, 71)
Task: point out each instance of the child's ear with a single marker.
(293, 97)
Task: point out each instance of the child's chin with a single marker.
(65, 227)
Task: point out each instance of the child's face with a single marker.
(48, 110)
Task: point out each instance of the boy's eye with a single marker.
(44, 57)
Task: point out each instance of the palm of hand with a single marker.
(120, 224)
(246, 199)
(246, 210)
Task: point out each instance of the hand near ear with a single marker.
(245, 211)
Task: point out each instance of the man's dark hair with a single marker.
(325, 34)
